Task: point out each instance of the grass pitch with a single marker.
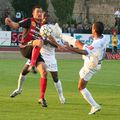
(104, 86)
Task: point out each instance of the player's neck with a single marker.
(98, 36)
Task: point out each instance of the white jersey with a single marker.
(92, 61)
(96, 52)
(47, 50)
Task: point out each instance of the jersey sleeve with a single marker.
(26, 23)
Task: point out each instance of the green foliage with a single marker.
(64, 9)
(26, 5)
(44, 4)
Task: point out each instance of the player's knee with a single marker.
(55, 80)
(55, 76)
(44, 74)
(25, 70)
(38, 43)
(80, 87)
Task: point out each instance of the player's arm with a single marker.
(52, 40)
(49, 42)
(79, 44)
(11, 23)
(77, 50)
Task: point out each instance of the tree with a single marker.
(26, 5)
(64, 9)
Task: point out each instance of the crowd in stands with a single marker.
(79, 26)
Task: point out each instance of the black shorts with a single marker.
(27, 53)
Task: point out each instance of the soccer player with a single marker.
(93, 55)
(31, 44)
(48, 54)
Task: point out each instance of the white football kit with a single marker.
(48, 54)
(92, 61)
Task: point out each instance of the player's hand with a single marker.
(8, 21)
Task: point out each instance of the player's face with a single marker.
(37, 13)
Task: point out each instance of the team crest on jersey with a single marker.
(91, 47)
(33, 24)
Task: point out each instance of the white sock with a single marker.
(88, 97)
(21, 81)
(58, 86)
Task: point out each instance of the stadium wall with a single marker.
(97, 10)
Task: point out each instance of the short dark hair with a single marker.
(99, 27)
(36, 6)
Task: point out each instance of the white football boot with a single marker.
(15, 93)
(62, 99)
(94, 109)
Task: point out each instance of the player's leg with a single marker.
(85, 76)
(31, 52)
(58, 86)
(37, 44)
(21, 79)
(43, 83)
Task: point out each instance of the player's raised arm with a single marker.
(11, 23)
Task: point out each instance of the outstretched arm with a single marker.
(77, 50)
(53, 41)
(49, 42)
(11, 23)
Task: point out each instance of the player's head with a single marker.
(97, 28)
(37, 12)
(114, 32)
(44, 19)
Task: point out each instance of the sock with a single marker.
(21, 80)
(88, 97)
(43, 85)
(58, 86)
(35, 54)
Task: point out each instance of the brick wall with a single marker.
(99, 10)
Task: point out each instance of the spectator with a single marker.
(79, 28)
(79, 19)
(72, 29)
(117, 19)
(18, 16)
(117, 13)
(114, 42)
(65, 28)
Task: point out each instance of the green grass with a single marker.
(104, 86)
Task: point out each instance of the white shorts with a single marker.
(87, 74)
(50, 62)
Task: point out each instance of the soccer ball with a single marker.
(45, 30)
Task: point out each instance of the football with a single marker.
(45, 30)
